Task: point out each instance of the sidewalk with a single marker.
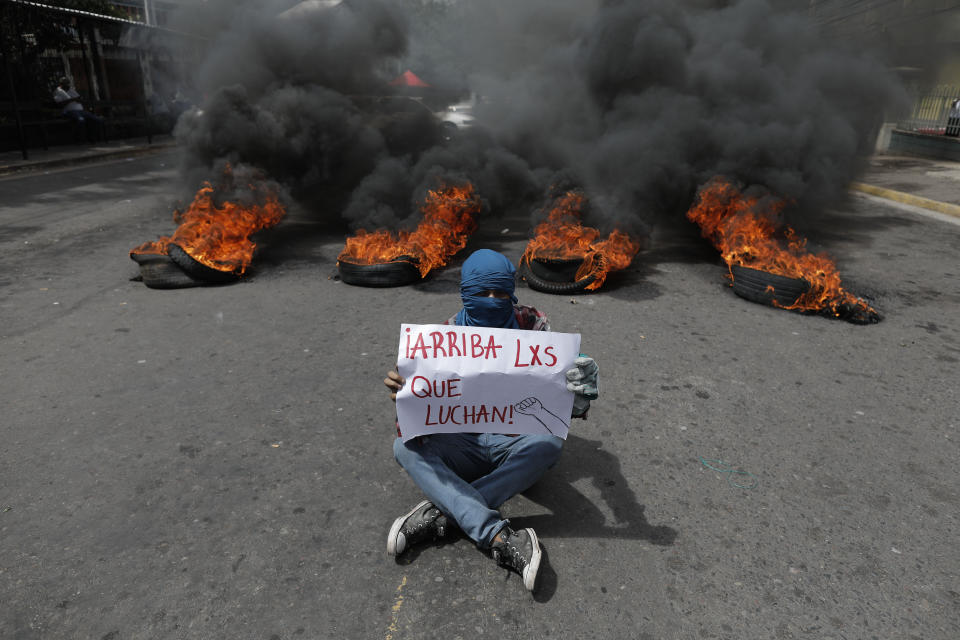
(912, 182)
(12, 162)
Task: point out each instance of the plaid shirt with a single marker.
(527, 318)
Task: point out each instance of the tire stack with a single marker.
(555, 275)
(197, 270)
(396, 273)
(158, 271)
(766, 288)
(774, 290)
(176, 269)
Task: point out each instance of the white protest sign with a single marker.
(483, 380)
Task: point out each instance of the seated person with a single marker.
(67, 97)
(467, 476)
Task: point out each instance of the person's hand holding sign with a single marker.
(394, 382)
(583, 381)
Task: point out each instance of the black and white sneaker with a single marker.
(423, 522)
(520, 551)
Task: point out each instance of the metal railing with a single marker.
(931, 110)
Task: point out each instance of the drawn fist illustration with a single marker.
(529, 406)
(534, 408)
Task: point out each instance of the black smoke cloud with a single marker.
(276, 87)
(647, 100)
(641, 101)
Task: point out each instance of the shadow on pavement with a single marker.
(546, 579)
(572, 513)
(575, 515)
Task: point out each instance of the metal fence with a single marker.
(931, 110)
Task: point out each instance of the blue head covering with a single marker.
(487, 270)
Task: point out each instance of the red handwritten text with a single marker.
(424, 388)
(450, 344)
(468, 414)
(532, 359)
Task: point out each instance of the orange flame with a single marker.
(745, 237)
(448, 221)
(561, 237)
(219, 237)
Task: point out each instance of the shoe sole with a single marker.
(393, 546)
(533, 567)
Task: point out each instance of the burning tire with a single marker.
(396, 273)
(144, 258)
(160, 272)
(765, 288)
(556, 269)
(197, 270)
(555, 276)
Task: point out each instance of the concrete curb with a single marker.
(57, 163)
(906, 198)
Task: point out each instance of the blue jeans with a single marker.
(469, 475)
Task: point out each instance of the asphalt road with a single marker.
(216, 462)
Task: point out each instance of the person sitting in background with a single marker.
(67, 97)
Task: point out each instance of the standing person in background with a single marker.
(467, 476)
(67, 97)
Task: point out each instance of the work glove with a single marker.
(583, 380)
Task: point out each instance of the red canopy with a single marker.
(408, 79)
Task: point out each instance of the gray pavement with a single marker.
(39, 159)
(216, 462)
(937, 180)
